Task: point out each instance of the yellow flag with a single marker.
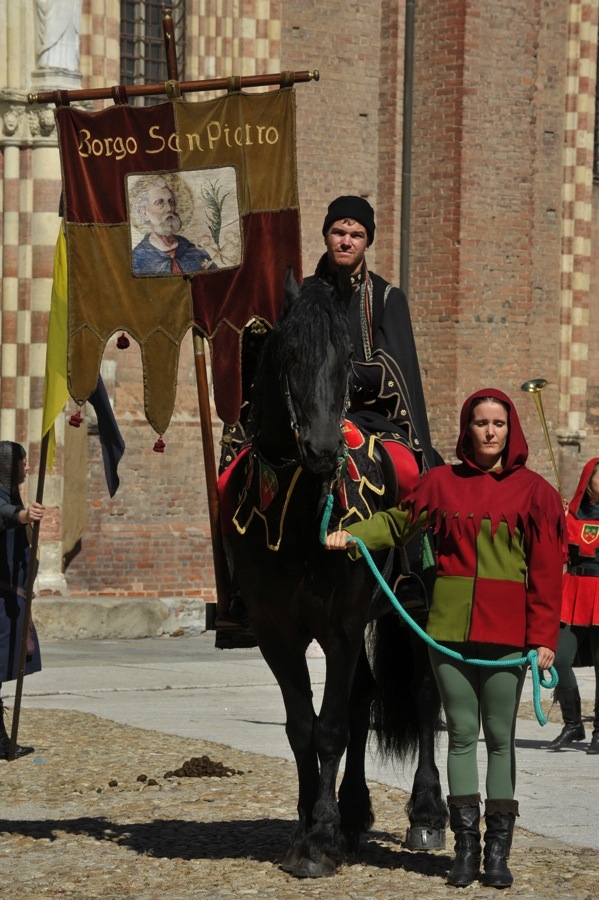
(55, 386)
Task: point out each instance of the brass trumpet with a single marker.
(534, 387)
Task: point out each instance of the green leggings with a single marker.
(570, 639)
(474, 695)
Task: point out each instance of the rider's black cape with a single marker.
(387, 392)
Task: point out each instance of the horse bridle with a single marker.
(293, 418)
(291, 410)
(292, 413)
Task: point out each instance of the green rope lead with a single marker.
(531, 657)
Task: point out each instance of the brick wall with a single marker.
(486, 236)
(593, 368)
(486, 205)
(337, 118)
(577, 434)
(436, 228)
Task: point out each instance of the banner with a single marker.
(55, 382)
(177, 214)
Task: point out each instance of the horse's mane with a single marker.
(297, 345)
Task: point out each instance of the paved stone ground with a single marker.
(77, 822)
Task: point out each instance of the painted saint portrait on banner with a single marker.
(201, 203)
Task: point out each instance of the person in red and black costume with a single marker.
(579, 632)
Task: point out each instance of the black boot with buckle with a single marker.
(464, 821)
(500, 817)
(234, 630)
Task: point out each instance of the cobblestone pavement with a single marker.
(91, 815)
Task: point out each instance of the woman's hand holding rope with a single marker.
(338, 540)
(539, 658)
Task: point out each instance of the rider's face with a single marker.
(346, 242)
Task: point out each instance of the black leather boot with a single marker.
(234, 630)
(594, 745)
(500, 816)
(464, 821)
(573, 730)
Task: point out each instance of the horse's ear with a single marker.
(292, 288)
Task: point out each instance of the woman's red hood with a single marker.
(457, 498)
(585, 477)
(516, 452)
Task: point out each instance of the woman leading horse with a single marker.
(499, 528)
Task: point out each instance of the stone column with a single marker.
(30, 187)
(576, 240)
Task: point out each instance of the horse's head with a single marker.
(309, 357)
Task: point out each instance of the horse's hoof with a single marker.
(308, 868)
(289, 864)
(419, 837)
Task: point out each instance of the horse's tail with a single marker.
(406, 692)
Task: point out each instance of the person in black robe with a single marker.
(386, 390)
(14, 570)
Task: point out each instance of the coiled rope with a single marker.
(531, 657)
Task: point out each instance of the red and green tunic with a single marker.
(500, 549)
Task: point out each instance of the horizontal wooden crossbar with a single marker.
(121, 93)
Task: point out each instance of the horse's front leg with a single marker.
(354, 797)
(325, 846)
(427, 810)
(288, 664)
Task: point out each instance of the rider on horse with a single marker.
(386, 390)
(386, 396)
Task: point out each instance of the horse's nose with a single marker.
(320, 457)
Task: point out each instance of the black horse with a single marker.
(296, 591)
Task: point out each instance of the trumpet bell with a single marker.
(534, 385)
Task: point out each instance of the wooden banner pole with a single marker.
(220, 563)
(287, 79)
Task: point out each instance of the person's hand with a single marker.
(546, 657)
(34, 513)
(338, 540)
